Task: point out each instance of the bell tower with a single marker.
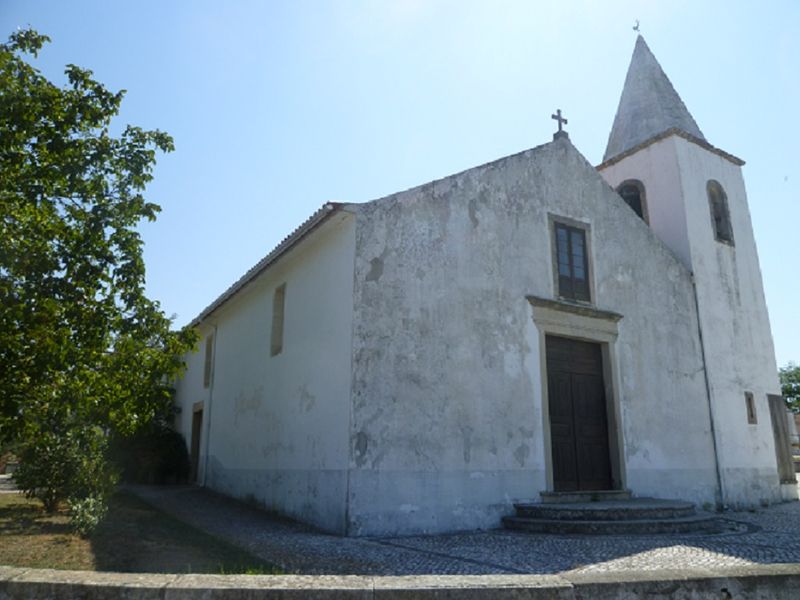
(692, 195)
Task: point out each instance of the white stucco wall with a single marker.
(279, 424)
(656, 166)
(448, 426)
(738, 340)
(736, 332)
(190, 391)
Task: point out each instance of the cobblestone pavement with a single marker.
(770, 535)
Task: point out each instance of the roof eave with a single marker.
(290, 241)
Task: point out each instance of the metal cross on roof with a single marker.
(561, 120)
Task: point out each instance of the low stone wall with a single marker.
(760, 582)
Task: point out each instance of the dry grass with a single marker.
(134, 537)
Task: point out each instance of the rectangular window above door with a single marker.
(572, 262)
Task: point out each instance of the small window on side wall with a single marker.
(278, 303)
(632, 191)
(750, 405)
(208, 364)
(572, 262)
(720, 215)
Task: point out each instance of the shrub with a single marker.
(67, 463)
(86, 513)
(47, 466)
(157, 455)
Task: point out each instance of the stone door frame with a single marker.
(584, 323)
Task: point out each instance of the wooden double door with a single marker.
(578, 416)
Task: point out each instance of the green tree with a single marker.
(84, 354)
(790, 386)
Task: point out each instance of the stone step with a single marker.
(609, 510)
(695, 523)
(594, 496)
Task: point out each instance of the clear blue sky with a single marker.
(278, 107)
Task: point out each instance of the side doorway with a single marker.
(579, 432)
(783, 443)
(197, 428)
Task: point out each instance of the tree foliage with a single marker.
(84, 354)
(790, 386)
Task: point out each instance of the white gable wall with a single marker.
(448, 422)
(279, 424)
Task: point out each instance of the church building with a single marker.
(535, 325)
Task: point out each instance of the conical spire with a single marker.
(649, 105)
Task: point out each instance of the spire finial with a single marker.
(561, 121)
(648, 106)
(636, 27)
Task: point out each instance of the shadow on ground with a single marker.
(136, 538)
(765, 537)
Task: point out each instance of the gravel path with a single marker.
(770, 535)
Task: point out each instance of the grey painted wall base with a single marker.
(431, 501)
(313, 496)
(762, 581)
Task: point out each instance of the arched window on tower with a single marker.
(632, 191)
(720, 216)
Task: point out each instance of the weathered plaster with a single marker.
(279, 424)
(448, 425)
(733, 315)
(736, 330)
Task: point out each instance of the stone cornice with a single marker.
(663, 135)
(575, 309)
